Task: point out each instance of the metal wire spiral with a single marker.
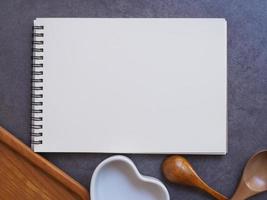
(37, 88)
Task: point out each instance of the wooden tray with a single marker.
(26, 175)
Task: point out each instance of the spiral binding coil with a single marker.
(37, 85)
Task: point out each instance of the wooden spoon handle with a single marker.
(242, 192)
(212, 192)
(215, 194)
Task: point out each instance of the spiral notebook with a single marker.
(129, 85)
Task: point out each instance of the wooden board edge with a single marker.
(40, 162)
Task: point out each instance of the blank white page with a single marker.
(134, 85)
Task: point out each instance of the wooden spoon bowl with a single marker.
(254, 179)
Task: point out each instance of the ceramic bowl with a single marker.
(117, 178)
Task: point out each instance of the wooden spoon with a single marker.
(178, 170)
(254, 179)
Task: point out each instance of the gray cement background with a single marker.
(247, 80)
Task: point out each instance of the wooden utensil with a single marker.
(178, 170)
(26, 175)
(254, 179)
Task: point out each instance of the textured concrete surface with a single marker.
(247, 80)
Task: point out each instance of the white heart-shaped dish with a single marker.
(117, 178)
